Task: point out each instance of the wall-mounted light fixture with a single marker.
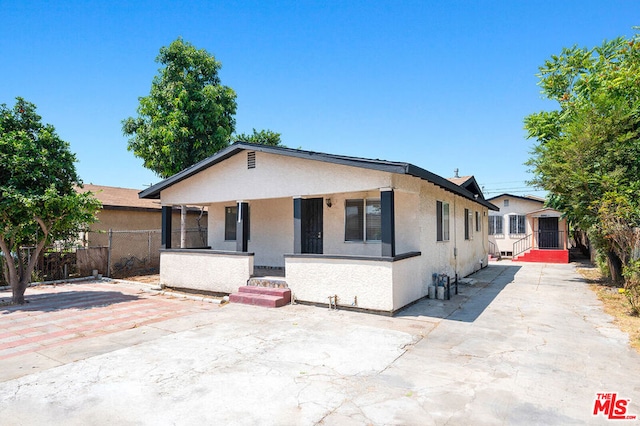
(328, 202)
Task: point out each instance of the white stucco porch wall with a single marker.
(314, 280)
(407, 286)
(205, 270)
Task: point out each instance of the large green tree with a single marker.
(263, 137)
(38, 200)
(189, 114)
(588, 150)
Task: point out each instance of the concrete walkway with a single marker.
(525, 344)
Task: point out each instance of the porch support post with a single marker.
(166, 227)
(297, 225)
(388, 222)
(183, 226)
(242, 227)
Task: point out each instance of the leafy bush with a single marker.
(631, 289)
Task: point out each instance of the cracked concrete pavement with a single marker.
(523, 344)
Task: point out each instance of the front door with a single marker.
(311, 224)
(548, 236)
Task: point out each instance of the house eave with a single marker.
(154, 191)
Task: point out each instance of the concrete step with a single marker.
(285, 293)
(265, 300)
(261, 296)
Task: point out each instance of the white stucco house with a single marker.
(527, 231)
(370, 232)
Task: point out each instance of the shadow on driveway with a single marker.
(51, 302)
(471, 300)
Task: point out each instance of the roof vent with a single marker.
(251, 160)
(456, 173)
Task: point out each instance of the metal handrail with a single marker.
(522, 245)
(546, 240)
(493, 249)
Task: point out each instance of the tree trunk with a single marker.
(18, 290)
(615, 266)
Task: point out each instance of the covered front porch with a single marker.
(324, 245)
(548, 241)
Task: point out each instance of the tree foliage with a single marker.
(38, 200)
(263, 137)
(188, 115)
(588, 149)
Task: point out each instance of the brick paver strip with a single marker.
(58, 315)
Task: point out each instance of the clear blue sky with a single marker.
(440, 84)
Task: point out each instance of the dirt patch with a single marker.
(147, 279)
(615, 304)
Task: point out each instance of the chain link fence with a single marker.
(112, 253)
(120, 254)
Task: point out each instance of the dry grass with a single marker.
(615, 304)
(147, 279)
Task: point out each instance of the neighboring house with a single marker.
(370, 232)
(527, 231)
(126, 238)
(123, 210)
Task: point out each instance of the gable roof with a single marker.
(469, 183)
(521, 197)
(153, 192)
(113, 197)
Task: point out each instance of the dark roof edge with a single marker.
(447, 185)
(153, 192)
(517, 196)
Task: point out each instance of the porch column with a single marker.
(242, 227)
(183, 226)
(387, 216)
(166, 227)
(297, 225)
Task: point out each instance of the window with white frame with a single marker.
(363, 221)
(442, 221)
(495, 225)
(468, 224)
(478, 222)
(517, 224)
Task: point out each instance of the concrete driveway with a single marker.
(525, 344)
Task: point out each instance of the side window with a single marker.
(468, 225)
(442, 221)
(495, 225)
(517, 224)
